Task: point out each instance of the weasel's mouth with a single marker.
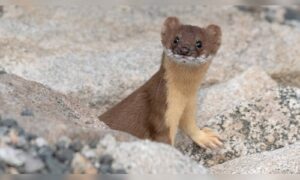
(188, 59)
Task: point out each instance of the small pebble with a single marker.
(93, 144)
(45, 152)
(64, 155)
(82, 165)
(22, 143)
(54, 166)
(19, 130)
(30, 136)
(106, 159)
(33, 165)
(2, 167)
(40, 142)
(76, 146)
(8, 123)
(3, 130)
(105, 169)
(63, 142)
(27, 112)
(119, 171)
(89, 153)
(12, 156)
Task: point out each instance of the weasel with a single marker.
(167, 101)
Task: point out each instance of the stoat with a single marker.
(168, 99)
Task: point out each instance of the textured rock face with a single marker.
(219, 98)
(281, 161)
(148, 157)
(263, 124)
(47, 113)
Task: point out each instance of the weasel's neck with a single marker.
(184, 78)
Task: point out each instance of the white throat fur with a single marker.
(189, 60)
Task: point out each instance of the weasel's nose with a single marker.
(184, 51)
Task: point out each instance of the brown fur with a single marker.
(142, 112)
(168, 100)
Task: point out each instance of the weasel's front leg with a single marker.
(176, 105)
(205, 138)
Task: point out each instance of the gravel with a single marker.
(22, 152)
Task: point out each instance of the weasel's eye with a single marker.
(199, 44)
(176, 40)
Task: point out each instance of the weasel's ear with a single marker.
(214, 34)
(169, 24)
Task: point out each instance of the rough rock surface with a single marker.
(281, 161)
(266, 123)
(251, 83)
(46, 112)
(148, 157)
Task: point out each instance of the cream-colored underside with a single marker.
(182, 86)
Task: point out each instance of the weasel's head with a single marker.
(188, 44)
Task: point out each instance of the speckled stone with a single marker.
(263, 124)
(282, 161)
(142, 157)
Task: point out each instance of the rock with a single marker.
(263, 124)
(64, 155)
(8, 123)
(56, 115)
(54, 166)
(88, 153)
(2, 167)
(140, 157)
(45, 152)
(106, 165)
(251, 83)
(33, 165)
(30, 136)
(27, 112)
(3, 131)
(40, 142)
(63, 142)
(76, 146)
(282, 161)
(12, 156)
(106, 159)
(82, 165)
(22, 143)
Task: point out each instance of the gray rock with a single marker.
(64, 155)
(263, 124)
(282, 161)
(40, 142)
(12, 156)
(252, 83)
(147, 157)
(3, 131)
(55, 114)
(54, 166)
(33, 165)
(27, 112)
(76, 146)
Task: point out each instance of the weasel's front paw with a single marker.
(206, 138)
